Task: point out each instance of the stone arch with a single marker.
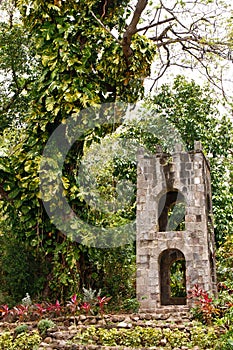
(166, 260)
(171, 202)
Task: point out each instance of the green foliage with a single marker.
(194, 113)
(21, 271)
(204, 337)
(227, 319)
(175, 214)
(90, 295)
(178, 288)
(18, 67)
(225, 260)
(226, 340)
(21, 329)
(115, 272)
(22, 341)
(176, 337)
(131, 305)
(65, 270)
(78, 64)
(138, 337)
(43, 326)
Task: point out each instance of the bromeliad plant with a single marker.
(21, 311)
(40, 309)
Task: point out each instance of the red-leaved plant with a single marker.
(73, 304)
(5, 311)
(86, 307)
(103, 301)
(24, 312)
(21, 311)
(205, 309)
(40, 309)
(56, 308)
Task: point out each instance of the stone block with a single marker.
(188, 166)
(197, 180)
(190, 218)
(200, 188)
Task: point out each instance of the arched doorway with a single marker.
(171, 212)
(172, 277)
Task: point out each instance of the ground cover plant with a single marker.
(138, 337)
(52, 71)
(211, 328)
(23, 341)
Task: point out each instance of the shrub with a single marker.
(22, 341)
(44, 325)
(23, 328)
(131, 305)
(204, 337)
(205, 309)
(175, 337)
(137, 337)
(19, 270)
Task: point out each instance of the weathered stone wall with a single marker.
(188, 175)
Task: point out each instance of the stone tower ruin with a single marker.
(175, 237)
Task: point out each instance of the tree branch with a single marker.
(105, 28)
(132, 28)
(163, 69)
(173, 41)
(4, 195)
(155, 24)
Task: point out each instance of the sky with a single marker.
(219, 68)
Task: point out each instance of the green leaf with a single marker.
(14, 193)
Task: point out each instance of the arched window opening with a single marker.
(171, 212)
(172, 277)
(176, 216)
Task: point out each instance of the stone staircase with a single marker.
(66, 328)
(57, 338)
